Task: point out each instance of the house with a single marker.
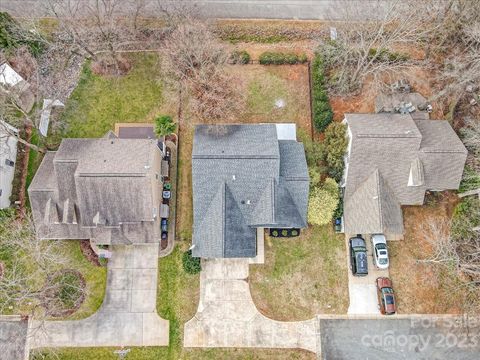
(8, 156)
(392, 160)
(108, 190)
(245, 177)
(15, 85)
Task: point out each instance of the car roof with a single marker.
(379, 237)
(362, 263)
(357, 241)
(384, 282)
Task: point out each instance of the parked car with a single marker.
(164, 225)
(358, 256)
(380, 252)
(386, 296)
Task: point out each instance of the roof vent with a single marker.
(147, 167)
(248, 202)
(233, 177)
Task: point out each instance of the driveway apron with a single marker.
(227, 316)
(128, 314)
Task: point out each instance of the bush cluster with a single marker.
(12, 36)
(385, 55)
(322, 111)
(240, 57)
(336, 143)
(279, 58)
(191, 264)
(323, 203)
(164, 125)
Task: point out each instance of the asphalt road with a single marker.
(400, 339)
(260, 9)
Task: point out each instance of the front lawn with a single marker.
(302, 276)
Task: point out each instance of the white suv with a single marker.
(380, 252)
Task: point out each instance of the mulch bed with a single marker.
(88, 252)
(81, 298)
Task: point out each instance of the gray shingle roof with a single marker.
(410, 156)
(243, 178)
(91, 187)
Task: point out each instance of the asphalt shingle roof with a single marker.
(243, 178)
(427, 154)
(92, 184)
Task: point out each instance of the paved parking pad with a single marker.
(441, 338)
(362, 289)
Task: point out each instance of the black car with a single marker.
(358, 256)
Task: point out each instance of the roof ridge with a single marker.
(379, 202)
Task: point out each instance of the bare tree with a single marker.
(459, 41)
(29, 281)
(471, 136)
(196, 63)
(100, 27)
(368, 48)
(456, 249)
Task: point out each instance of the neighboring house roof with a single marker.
(373, 206)
(410, 157)
(8, 157)
(244, 177)
(106, 189)
(8, 76)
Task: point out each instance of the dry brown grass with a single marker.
(302, 276)
(263, 85)
(423, 288)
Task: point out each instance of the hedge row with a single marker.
(279, 58)
(240, 57)
(322, 111)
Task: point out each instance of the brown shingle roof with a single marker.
(425, 153)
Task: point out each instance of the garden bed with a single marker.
(67, 292)
(88, 252)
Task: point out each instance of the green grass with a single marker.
(99, 102)
(263, 91)
(302, 276)
(95, 277)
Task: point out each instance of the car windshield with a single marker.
(389, 300)
(381, 246)
(383, 261)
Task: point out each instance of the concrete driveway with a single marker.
(406, 338)
(13, 338)
(128, 315)
(361, 289)
(227, 316)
